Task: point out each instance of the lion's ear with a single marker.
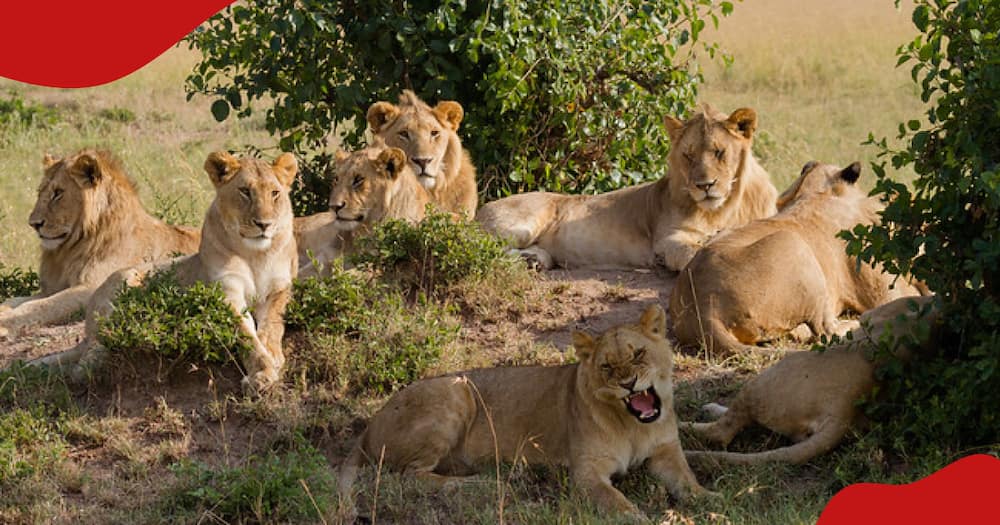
(285, 168)
(391, 161)
(449, 113)
(221, 167)
(340, 155)
(743, 121)
(380, 115)
(654, 321)
(674, 127)
(86, 170)
(851, 173)
(48, 161)
(584, 344)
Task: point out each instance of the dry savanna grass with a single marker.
(150, 442)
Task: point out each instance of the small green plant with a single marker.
(116, 114)
(14, 110)
(29, 444)
(434, 254)
(17, 282)
(293, 485)
(34, 387)
(165, 319)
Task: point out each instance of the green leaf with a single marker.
(220, 110)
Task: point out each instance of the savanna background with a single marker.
(154, 443)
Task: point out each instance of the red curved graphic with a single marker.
(82, 44)
(963, 492)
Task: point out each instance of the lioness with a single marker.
(812, 397)
(714, 182)
(90, 223)
(756, 282)
(611, 411)
(370, 186)
(247, 245)
(429, 136)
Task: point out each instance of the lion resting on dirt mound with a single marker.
(811, 397)
(757, 282)
(714, 182)
(247, 246)
(612, 410)
(90, 222)
(429, 136)
(371, 185)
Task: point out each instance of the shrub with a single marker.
(363, 335)
(24, 386)
(116, 114)
(436, 253)
(567, 95)
(29, 445)
(15, 111)
(165, 319)
(16, 282)
(270, 489)
(944, 230)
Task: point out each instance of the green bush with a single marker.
(116, 114)
(945, 230)
(29, 445)
(16, 282)
(15, 111)
(363, 335)
(24, 386)
(165, 319)
(436, 253)
(566, 95)
(266, 489)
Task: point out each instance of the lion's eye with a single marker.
(606, 367)
(404, 135)
(245, 193)
(435, 133)
(689, 156)
(720, 154)
(639, 354)
(275, 194)
(358, 181)
(56, 194)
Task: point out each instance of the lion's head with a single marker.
(819, 179)
(709, 150)
(422, 132)
(77, 195)
(629, 367)
(252, 196)
(365, 182)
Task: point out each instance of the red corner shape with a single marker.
(81, 44)
(964, 492)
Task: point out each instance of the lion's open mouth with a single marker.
(644, 405)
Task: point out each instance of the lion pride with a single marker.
(90, 222)
(600, 417)
(713, 183)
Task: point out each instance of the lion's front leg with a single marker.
(258, 364)
(14, 302)
(271, 323)
(593, 476)
(676, 249)
(669, 464)
(44, 310)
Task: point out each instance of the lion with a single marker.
(812, 397)
(247, 246)
(755, 283)
(601, 416)
(370, 185)
(429, 136)
(90, 222)
(713, 182)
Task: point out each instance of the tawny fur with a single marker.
(429, 137)
(760, 281)
(87, 198)
(713, 183)
(247, 246)
(811, 397)
(372, 185)
(573, 415)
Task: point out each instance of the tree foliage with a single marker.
(566, 95)
(945, 229)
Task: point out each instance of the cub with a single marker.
(754, 283)
(609, 412)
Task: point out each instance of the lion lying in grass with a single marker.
(757, 282)
(611, 411)
(812, 397)
(371, 185)
(90, 223)
(713, 183)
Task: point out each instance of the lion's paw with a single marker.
(257, 383)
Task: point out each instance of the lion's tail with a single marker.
(719, 341)
(346, 477)
(819, 443)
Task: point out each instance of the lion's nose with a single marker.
(37, 223)
(335, 207)
(629, 385)
(422, 162)
(263, 225)
(705, 186)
